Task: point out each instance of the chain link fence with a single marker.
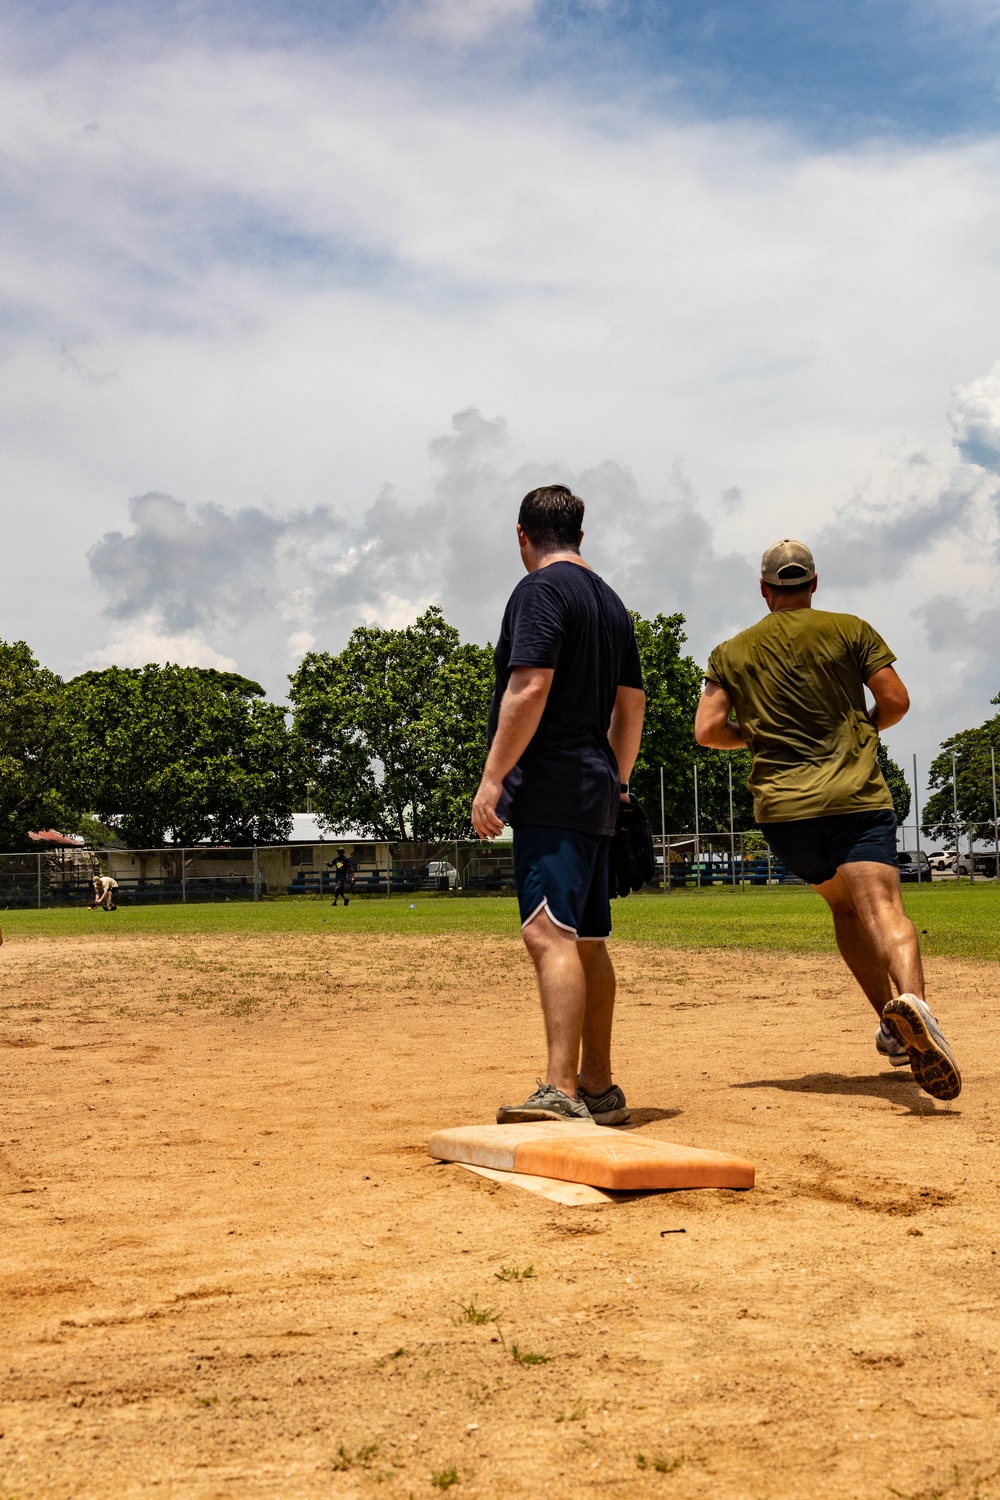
(63, 877)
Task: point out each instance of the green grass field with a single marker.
(958, 921)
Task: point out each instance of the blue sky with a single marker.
(838, 71)
(330, 285)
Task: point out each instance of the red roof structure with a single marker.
(57, 840)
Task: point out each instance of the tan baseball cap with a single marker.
(787, 562)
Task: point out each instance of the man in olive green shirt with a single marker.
(796, 681)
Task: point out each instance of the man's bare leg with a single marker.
(876, 938)
(562, 986)
(599, 1014)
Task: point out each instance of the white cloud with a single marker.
(253, 283)
(462, 22)
(146, 640)
(975, 420)
(299, 642)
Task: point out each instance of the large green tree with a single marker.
(185, 753)
(973, 779)
(36, 788)
(673, 686)
(896, 782)
(393, 729)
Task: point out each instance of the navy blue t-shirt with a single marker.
(563, 616)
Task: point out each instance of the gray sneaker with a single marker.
(546, 1103)
(608, 1108)
(886, 1046)
(934, 1066)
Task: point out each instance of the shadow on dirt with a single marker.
(892, 1087)
(647, 1116)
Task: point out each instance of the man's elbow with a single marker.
(703, 733)
(895, 708)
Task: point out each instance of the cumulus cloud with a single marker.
(144, 640)
(249, 280)
(876, 539)
(189, 564)
(975, 420)
(238, 576)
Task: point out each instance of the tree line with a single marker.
(387, 736)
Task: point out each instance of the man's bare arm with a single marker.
(892, 700)
(625, 731)
(711, 722)
(521, 710)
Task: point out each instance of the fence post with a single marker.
(388, 872)
(697, 838)
(184, 884)
(916, 810)
(256, 874)
(663, 837)
(732, 833)
(954, 799)
(39, 882)
(769, 867)
(996, 826)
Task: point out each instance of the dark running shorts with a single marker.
(815, 848)
(564, 873)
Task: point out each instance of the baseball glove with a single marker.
(632, 863)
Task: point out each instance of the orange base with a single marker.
(593, 1154)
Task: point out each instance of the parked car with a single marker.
(913, 865)
(944, 862)
(443, 874)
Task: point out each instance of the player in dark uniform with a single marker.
(343, 876)
(565, 726)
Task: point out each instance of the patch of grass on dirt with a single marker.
(472, 1313)
(661, 1465)
(955, 920)
(576, 1415)
(524, 1357)
(511, 1273)
(361, 1457)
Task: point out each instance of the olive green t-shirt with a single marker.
(797, 679)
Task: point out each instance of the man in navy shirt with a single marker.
(565, 725)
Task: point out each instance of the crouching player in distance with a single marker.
(565, 725)
(796, 681)
(104, 893)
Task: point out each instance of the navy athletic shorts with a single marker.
(564, 873)
(815, 848)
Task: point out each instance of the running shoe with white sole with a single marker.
(608, 1108)
(933, 1063)
(546, 1103)
(894, 1052)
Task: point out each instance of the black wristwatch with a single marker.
(623, 787)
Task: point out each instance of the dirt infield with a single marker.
(228, 1268)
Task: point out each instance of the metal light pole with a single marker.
(732, 830)
(954, 800)
(916, 809)
(697, 837)
(663, 835)
(996, 826)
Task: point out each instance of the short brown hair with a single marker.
(552, 518)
